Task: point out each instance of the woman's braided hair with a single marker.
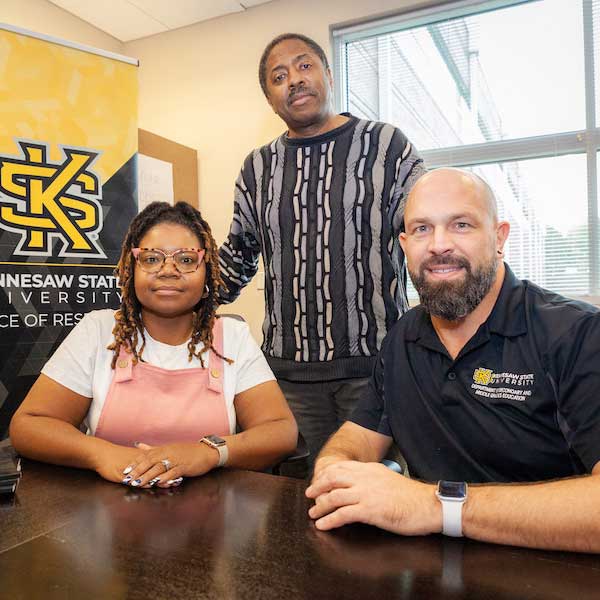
(129, 328)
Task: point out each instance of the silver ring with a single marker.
(166, 463)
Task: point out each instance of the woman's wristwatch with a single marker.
(220, 445)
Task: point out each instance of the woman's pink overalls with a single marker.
(156, 406)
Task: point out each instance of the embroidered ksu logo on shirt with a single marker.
(43, 200)
(502, 386)
(482, 376)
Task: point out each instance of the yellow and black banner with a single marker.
(68, 151)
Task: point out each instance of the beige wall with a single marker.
(199, 87)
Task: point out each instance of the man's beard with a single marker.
(454, 300)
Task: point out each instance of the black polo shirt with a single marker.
(521, 402)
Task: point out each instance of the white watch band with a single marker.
(220, 447)
(223, 454)
(452, 516)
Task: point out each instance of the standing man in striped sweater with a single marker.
(323, 203)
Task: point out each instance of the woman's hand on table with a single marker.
(113, 459)
(166, 466)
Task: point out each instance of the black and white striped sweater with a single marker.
(325, 213)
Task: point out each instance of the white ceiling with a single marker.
(129, 20)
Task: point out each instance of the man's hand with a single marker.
(322, 463)
(355, 492)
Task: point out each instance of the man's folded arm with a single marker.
(239, 253)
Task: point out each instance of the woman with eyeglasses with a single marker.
(161, 383)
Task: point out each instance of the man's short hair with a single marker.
(262, 67)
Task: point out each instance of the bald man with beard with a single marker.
(490, 387)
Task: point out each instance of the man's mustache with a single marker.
(448, 260)
(300, 90)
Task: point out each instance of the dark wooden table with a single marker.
(236, 534)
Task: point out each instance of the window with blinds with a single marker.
(511, 90)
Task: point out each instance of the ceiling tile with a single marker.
(129, 20)
(119, 18)
(249, 3)
(186, 11)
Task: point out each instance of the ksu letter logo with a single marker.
(482, 376)
(44, 201)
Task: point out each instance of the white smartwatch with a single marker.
(452, 495)
(220, 445)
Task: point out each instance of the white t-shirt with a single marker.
(82, 362)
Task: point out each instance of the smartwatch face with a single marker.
(215, 439)
(453, 489)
